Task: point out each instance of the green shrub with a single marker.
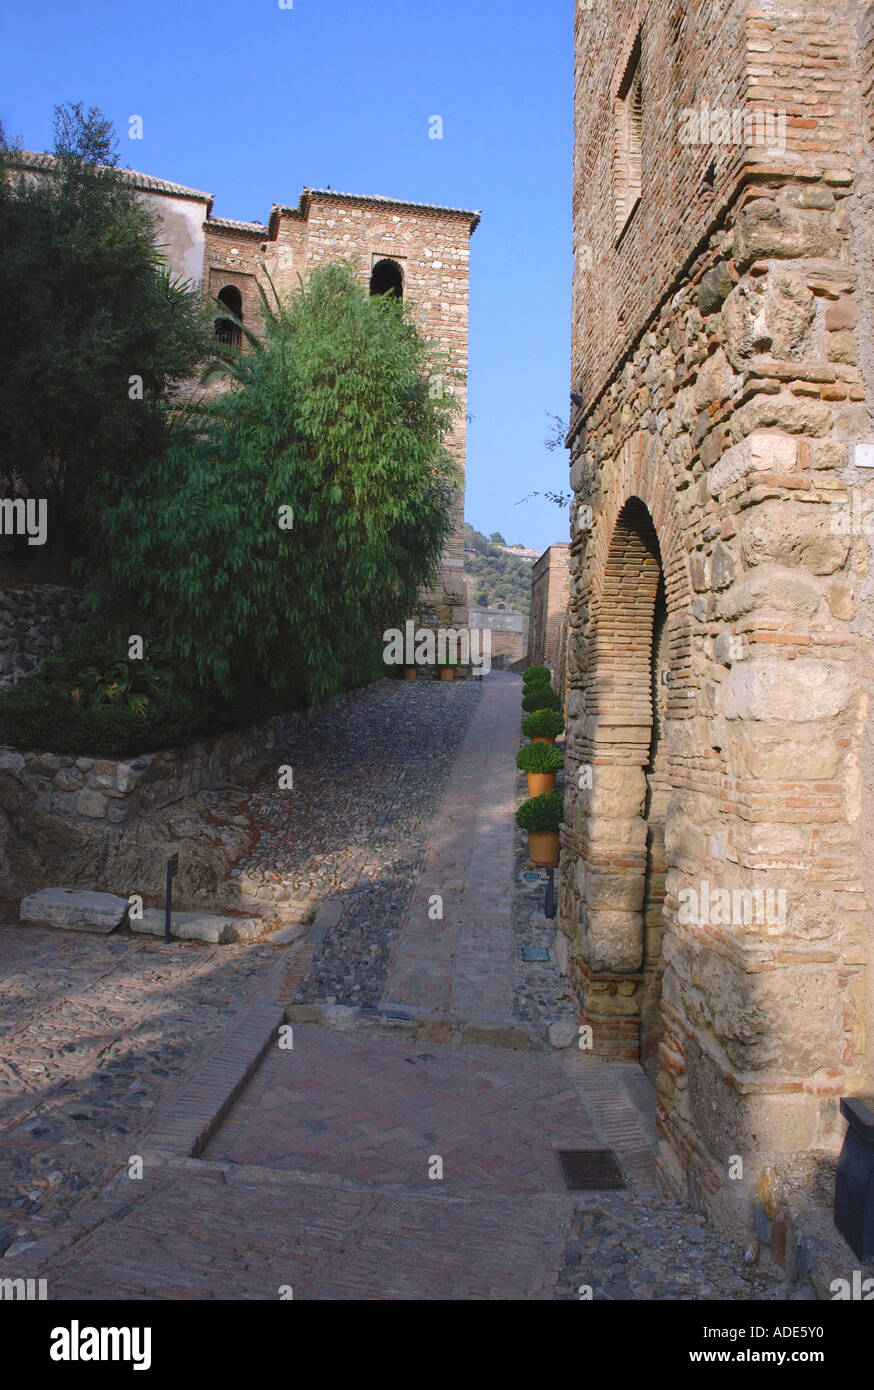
(533, 686)
(536, 673)
(42, 716)
(541, 697)
(542, 723)
(540, 813)
(539, 757)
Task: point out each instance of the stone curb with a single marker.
(482, 1033)
(199, 1108)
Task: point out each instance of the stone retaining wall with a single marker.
(116, 790)
(34, 620)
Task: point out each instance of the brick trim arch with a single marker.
(642, 473)
(635, 548)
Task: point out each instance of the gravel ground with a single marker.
(360, 819)
(636, 1248)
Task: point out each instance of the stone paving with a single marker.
(459, 966)
(322, 1176)
(94, 1033)
(368, 779)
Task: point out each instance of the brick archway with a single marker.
(636, 629)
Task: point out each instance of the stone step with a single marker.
(195, 926)
(74, 909)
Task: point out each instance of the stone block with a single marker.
(91, 804)
(496, 1035)
(614, 937)
(793, 535)
(74, 909)
(797, 691)
(771, 587)
(186, 926)
(757, 453)
(562, 1032)
(766, 231)
(714, 288)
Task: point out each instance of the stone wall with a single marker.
(34, 620)
(550, 591)
(715, 888)
(507, 627)
(83, 789)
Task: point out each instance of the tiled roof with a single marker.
(30, 159)
(473, 215)
(230, 225)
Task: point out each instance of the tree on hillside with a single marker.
(95, 330)
(277, 545)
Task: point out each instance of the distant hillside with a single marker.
(492, 575)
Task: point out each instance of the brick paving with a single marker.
(376, 1109)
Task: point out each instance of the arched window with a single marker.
(387, 278)
(225, 329)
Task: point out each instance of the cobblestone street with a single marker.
(321, 1176)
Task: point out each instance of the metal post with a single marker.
(172, 870)
(549, 907)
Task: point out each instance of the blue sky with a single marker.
(251, 102)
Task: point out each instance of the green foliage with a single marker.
(33, 716)
(88, 303)
(494, 577)
(541, 813)
(542, 723)
(329, 415)
(539, 757)
(536, 673)
(94, 670)
(540, 697)
(37, 715)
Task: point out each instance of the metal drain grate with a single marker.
(590, 1170)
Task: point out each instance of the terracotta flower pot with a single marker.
(540, 782)
(410, 673)
(447, 673)
(543, 847)
(543, 738)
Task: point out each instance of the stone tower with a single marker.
(419, 250)
(718, 851)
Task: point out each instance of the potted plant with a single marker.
(535, 673)
(542, 725)
(541, 816)
(541, 761)
(541, 683)
(540, 697)
(410, 673)
(447, 668)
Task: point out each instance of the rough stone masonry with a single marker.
(719, 659)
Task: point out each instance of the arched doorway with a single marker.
(226, 330)
(622, 842)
